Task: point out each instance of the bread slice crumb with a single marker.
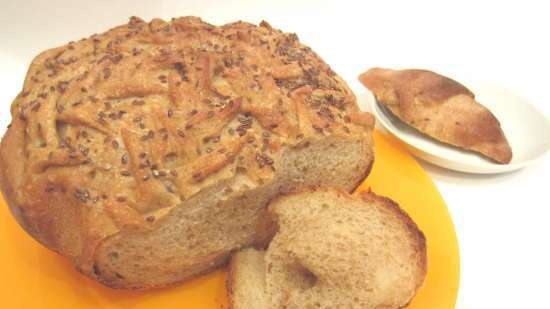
(332, 250)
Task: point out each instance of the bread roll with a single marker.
(440, 108)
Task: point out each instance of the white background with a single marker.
(502, 222)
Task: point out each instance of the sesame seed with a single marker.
(106, 73)
(83, 150)
(36, 107)
(263, 160)
(149, 135)
(317, 128)
(82, 194)
(62, 86)
(171, 189)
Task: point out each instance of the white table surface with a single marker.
(502, 221)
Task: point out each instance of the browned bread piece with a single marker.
(146, 154)
(333, 251)
(440, 108)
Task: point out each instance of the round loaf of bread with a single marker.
(148, 153)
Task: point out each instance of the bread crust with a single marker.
(113, 134)
(419, 238)
(230, 282)
(440, 108)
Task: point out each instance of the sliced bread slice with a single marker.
(246, 280)
(334, 251)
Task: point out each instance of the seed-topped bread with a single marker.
(146, 154)
(333, 251)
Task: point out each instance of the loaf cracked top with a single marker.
(141, 117)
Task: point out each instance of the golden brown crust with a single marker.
(415, 232)
(12, 174)
(441, 108)
(366, 173)
(131, 122)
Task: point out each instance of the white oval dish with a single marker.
(527, 131)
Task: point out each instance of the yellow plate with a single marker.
(33, 277)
